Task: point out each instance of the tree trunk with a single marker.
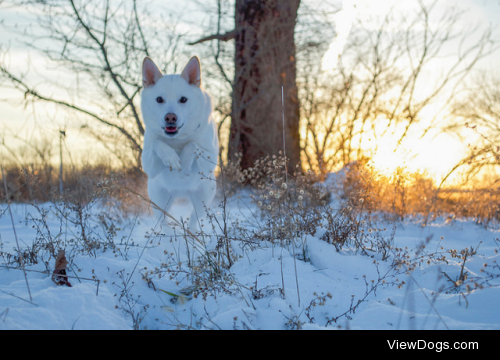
(264, 62)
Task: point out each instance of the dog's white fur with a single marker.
(180, 141)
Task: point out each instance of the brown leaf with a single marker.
(59, 276)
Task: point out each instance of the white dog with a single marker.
(180, 143)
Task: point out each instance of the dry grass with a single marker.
(413, 196)
(400, 196)
(41, 183)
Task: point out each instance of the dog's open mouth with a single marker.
(172, 130)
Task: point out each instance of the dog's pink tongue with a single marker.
(171, 129)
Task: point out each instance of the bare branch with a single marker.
(230, 35)
(108, 67)
(139, 27)
(29, 91)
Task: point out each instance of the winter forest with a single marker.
(357, 181)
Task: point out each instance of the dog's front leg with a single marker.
(167, 155)
(188, 155)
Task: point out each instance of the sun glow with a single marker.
(435, 156)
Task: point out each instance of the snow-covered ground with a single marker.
(305, 284)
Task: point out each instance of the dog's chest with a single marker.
(176, 144)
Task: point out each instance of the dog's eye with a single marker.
(183, 100)
(159, 100)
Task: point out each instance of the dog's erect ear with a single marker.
(192, 72)
(150, 73)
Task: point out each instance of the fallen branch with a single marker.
(48, 273)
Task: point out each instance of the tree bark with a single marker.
(264, 62)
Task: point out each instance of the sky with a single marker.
(436, 154)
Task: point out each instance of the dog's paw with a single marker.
(173, 162)
(169, 157)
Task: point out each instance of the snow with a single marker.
(304, 284)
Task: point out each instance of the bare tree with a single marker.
(264, 65)
(384, 82)
(478, 109)
(265, 62)
(102, 44)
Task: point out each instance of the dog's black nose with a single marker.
(170, 118)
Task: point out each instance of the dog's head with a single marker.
(173, 104)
